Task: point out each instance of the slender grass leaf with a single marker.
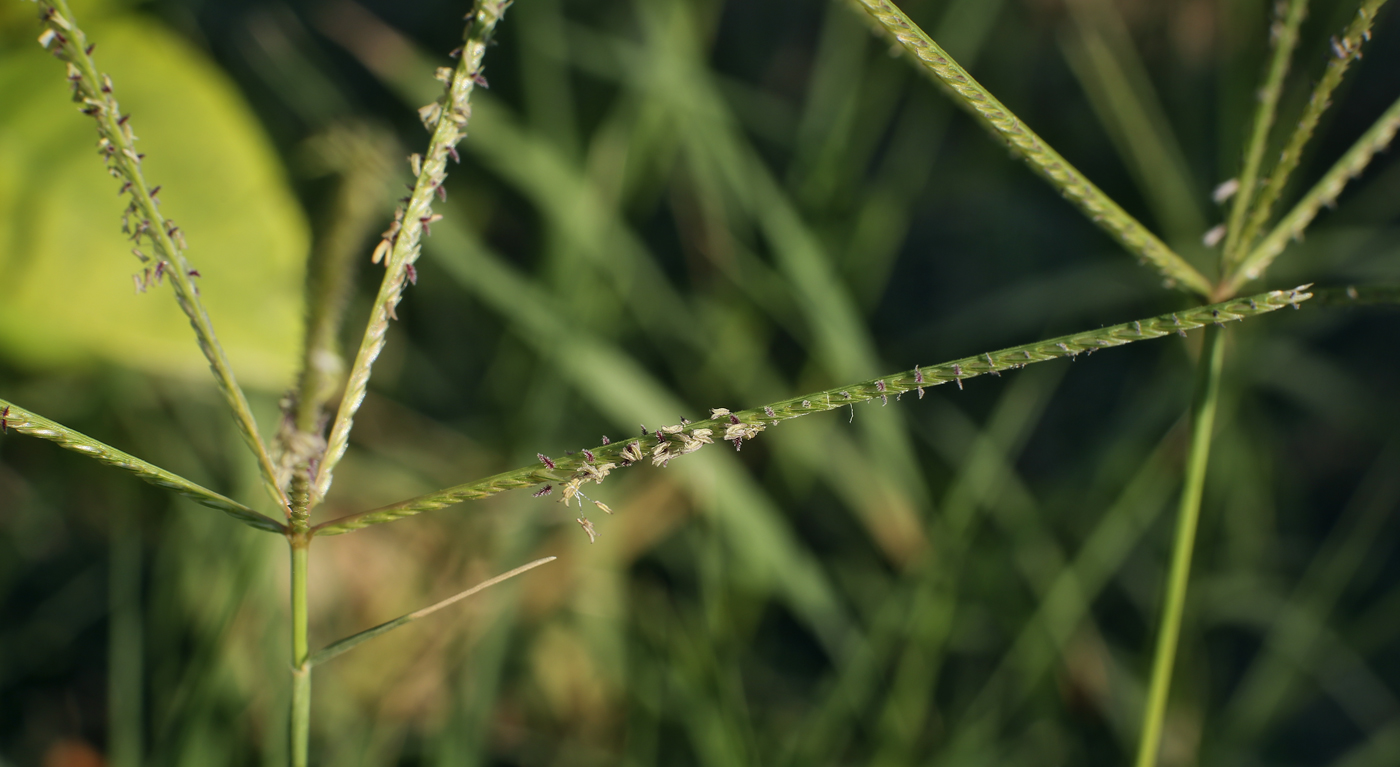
(336, 648)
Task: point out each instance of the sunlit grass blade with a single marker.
(24, 422)
(744, 424)
(1345, 50)
(1044, 160)
(143, 218)
(447, 119)
(1284, 36)
(1323, 194)
(336, 648)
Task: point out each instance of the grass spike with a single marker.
(1323, 194)
(1344, 50)
(448, 121)
(32, 425)
(1044, 160)
(1284, 34)
(66, 40)
(756, 419)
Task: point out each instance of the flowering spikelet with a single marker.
(588, 528)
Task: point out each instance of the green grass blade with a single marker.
(1102, 57)
(144, 219)
(570, 468)
(1344, 51)
(1284, 35)
(336, 648)
(447, 118)
(30, 424)
(1044, 160)
(1271, 680)
(1324, 193)
(1207, 396)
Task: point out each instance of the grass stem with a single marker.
(301, 670)
(1207, 393)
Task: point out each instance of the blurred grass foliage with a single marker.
(665, 206)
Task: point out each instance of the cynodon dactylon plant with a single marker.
(297, 464)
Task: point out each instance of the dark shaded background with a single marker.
(631, 237)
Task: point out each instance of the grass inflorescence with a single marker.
(726, 196)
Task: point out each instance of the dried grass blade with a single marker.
(336, 648)
(30, 424)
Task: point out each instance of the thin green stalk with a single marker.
(1203, 407)
(1034, 150)
(1284, 35)
(594, 464)
(1344, 50)
(1323, 194)
(143, 218)
(447, 118)
(301, 669)
(25, 422)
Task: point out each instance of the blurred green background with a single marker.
(666, 206)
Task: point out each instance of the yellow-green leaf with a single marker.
(68, 297)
